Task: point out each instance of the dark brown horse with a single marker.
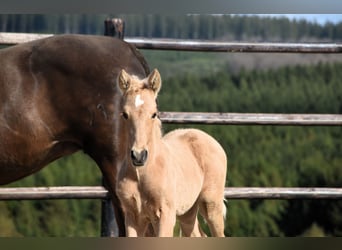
(58, 95)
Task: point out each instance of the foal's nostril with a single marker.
(133, 155)
(143, 155)
(139, 158)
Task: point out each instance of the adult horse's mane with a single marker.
(57, 96)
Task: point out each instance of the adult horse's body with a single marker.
(163, 177)
(57, 96)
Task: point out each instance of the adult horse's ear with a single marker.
(154, 81)
(123, 81)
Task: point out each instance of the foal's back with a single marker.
(199, 155)
(201, 145)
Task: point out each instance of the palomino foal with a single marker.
(164, 178)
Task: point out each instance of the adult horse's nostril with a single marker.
(139, 158)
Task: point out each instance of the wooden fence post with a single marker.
(115, 28)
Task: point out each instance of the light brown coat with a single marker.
(162, 178)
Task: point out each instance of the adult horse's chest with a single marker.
(23, 153)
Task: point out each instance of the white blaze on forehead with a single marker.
(138, 101)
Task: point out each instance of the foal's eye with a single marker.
(124, 115)
(155, 115)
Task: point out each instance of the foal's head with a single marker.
(139, 113)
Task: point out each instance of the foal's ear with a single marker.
(154, 81)
(123, 81)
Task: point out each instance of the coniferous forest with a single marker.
(258, 156)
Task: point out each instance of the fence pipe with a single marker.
(251, 119)
(282, 193)
(99, 192)
(8, 38)
(61, 192)
(221, 46)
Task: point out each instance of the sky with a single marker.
(319, 18)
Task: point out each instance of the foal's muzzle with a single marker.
(139, 158)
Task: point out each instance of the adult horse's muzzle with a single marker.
(139, 158)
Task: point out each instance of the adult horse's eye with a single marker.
(124, 115)
(155, 115)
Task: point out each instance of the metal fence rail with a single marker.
(8, 38)
(282, 193)
(218, 46)
(12, 38)
(251, 119)
(99, 192)
(42, 193)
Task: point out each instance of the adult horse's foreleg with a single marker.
(119, 216)
(109, 183)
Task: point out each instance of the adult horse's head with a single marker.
(139, 113)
